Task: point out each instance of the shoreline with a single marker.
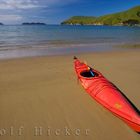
(119, 51)
(58, 50)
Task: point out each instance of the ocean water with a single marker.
(21, 41)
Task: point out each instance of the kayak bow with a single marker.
(107, 94)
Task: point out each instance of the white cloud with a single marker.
(29, 4)
(15, 11)
(7, 18)
(18, 4)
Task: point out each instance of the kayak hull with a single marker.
(108, 95)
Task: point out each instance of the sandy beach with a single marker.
(40, 98)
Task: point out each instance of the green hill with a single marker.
(129, 17)
(80, 20)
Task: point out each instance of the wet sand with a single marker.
(40, 98)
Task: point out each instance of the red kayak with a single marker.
(107, 94)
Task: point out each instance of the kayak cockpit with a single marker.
(88, 74)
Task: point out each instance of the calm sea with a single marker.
(21, 41)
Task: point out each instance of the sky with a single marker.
(55, 11)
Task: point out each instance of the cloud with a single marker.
(15, 11)
(7, 18)
(30, 4)
(18, 4)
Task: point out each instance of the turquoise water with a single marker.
(18, 41)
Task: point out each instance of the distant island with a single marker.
(1, 23)
(33, 23)
(130, 17)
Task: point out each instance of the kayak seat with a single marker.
(88, 74)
